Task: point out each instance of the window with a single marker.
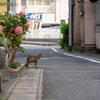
(45, 2)
(23, 2)
(38, 2)
(45, 25)
(30, 2)
(54, 25)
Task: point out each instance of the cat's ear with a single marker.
(40, 54)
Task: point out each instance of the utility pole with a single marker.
(70, 25)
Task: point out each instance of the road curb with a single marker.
(9, 91)
(42, 44)
(40, 86)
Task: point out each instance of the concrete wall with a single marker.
(48, 17)
(44, 33)
(89, 24)
(77, 24)
(35, 9)
(18, 6)
(64, 8)
(84, 25)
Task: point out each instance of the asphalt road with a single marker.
(66, 76)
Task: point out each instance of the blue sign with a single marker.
(34, 16)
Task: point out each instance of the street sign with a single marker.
(34, 16)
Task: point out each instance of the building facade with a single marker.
(50, 10)
(3, 8)
(85, 23)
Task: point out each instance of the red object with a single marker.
(39, 26)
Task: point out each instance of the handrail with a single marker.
(48, 7)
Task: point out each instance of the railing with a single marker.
(50, 8)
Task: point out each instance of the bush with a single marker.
(14, 28)
(15, 65)
(64, 40)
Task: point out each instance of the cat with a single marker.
(33, 59)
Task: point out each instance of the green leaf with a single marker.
(14, 65)
(11, 24)
(22, 50)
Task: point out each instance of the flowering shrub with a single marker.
(21, 13)
(28, 25)
(14, 28)
(18, 30)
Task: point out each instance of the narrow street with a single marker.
(66, 76)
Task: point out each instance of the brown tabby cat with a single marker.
(33, 59)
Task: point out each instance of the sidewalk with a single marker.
(43, 43)
(28, 87)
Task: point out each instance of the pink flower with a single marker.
(21, 13)
(28, 25)
(18, 30)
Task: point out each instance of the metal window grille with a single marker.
(23, 2)
(31, 2)
(38, 2)
(45, 2)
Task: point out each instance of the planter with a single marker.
(14, 72)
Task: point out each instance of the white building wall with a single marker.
(58, 11)
(18, 6)
(48, 17)
(58, 8)
(62, 10)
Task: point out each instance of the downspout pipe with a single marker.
(70, 25)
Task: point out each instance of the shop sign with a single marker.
(34, 16)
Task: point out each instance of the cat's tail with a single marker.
(25, 65)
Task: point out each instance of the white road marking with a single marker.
(51, 57)
(56, 57)
(54, 50)
(82, 57)
(44, 58)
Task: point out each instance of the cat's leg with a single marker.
(36, 66)
(27, 64)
